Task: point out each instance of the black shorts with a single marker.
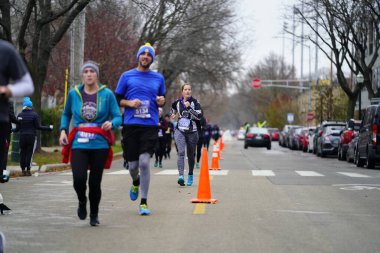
(139, 139)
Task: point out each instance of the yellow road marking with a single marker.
(200, 208)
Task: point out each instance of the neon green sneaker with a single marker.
(134, 192)
(144, 209)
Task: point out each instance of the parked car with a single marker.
(274, 133)
(304, 138)
(348, 133)
(313, 140)
(257, 137)
(328, 138)
(351, 150)
(293, 136)
(368, 150)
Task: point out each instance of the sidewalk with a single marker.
(15, 170)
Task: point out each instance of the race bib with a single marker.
(184, 124)
(160, 134)
(85, 135)
(143, 110)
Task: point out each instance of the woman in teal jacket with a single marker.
(95, 112)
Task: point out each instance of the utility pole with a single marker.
(302, 34)
(294, 41)
(77, 32)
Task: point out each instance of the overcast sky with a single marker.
(261, 29)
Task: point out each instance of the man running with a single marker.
(12, 68)
(141, 91)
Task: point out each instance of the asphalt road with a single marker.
(268, 201)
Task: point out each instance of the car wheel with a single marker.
(370, 163)
(339, 154)
(245, 146)
(269, 147)
(344, 155)
(359, 162)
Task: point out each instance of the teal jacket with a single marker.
(107, 109)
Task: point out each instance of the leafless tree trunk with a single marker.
(345, 28)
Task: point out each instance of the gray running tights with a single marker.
(143, 164)
(188, 141)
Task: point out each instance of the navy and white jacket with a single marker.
(29, 123)
(187, 116)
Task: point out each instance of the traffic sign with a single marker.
(256, 83)
(309, 116)
(290, 117)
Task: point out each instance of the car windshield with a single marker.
(258, 130)
(334, 129)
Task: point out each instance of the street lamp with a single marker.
(360, 80)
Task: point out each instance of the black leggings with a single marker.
(160, 149)
(27, 147)
(199, 149)
(95, 159)
(4, 127)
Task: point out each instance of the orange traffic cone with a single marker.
(216, 149)
(221, 144)
(204, 192)
(215, 161)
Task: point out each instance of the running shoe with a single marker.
(144, 209)
(134, 192)
(181, 181)
(189, 180)
(4, 209)
(155, 164)
(82, 212)
(160, 164)
(94, 220)
(197, 166)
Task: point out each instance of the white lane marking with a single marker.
(264, 173)
(301, 211)
(167, 172)
(50, 183)
(349, 174)
(66, 173)
(218, 172)
(308, 173)
(119, 172)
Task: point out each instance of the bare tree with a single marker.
(348, 34)
(194, 41)
(42, 25)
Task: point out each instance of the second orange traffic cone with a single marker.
(215, 161)
(204, 191)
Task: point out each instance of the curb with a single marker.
(16, 171)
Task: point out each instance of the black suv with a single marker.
(328, 137)
(368, 149)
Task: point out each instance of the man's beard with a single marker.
(146, 66)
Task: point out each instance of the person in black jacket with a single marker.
(28, 125)
(12, 119)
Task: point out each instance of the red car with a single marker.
(304, 139)
(351, 130)
(274, 133)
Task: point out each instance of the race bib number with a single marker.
(184, 124)
(85, 135)
(160, 134)
(143, 110)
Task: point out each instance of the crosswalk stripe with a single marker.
(119, 172)
(349, 174)
(265, 173)
(167, 172)
(308, 173)
(218, 172)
